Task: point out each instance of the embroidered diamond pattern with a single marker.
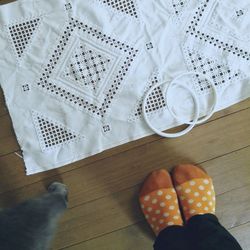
(194, 30)
(87, 66)
(126, 6)
(22, 33)
(219, 73)
(51, 133)
(156, 100)
(127, 55)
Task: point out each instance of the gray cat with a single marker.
(30, 225)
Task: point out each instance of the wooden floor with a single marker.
(103, 209)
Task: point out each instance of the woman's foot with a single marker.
(159, 201)
(195, 190)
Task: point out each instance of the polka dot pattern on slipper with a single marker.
(197, 196)
(161, 209)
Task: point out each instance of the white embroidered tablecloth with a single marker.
(74, 73)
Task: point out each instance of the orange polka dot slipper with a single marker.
(195, 190)
(159, 202)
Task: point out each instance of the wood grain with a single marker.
(3, 109)
(140, 235)
(97, 217)
(128, 168)
(103, 211)
(17, 167)
(6, 1)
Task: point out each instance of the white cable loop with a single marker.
(166, 92)
(215, 100)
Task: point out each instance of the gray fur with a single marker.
(30, 225)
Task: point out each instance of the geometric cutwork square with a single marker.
(93, 63)
(88, 66)
(26, 87)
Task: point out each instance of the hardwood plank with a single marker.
(241, 233)
(7, 145)
(233, 207)
(6, 127)
(97, 217)
(3, 108)
(116, 211)
(128, 168)
(236, 168)
(121, 210)
(6, 1)
(138, 235)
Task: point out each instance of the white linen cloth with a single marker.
(74, 73)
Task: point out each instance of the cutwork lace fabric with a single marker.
(74, 73)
